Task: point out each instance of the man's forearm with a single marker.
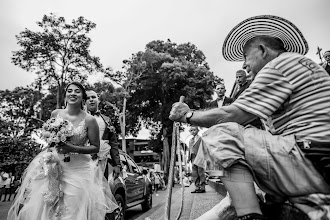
(221, 115)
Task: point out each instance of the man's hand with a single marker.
(179, 109)
(116, 172)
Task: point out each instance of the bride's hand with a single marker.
(64, 147)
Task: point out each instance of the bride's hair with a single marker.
(83, 90)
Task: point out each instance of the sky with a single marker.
(124, 27)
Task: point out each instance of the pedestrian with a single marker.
(157, 181)
(17, 186)
(291, 92)
(8, 185)
(185, 181)
(242, 83)
(198, 173)
(3, 179)
(108, 137)
(59, 182)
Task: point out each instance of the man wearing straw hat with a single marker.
(292, 93)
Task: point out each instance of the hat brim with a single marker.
(269, 25)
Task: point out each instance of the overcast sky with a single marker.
(125, 27)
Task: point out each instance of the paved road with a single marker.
(194, 205)
(131, 214)
(158, 199)
(4, 207)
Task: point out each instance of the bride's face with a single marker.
(73, 95)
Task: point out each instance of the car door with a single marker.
(135, 181)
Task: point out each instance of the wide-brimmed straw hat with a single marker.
(269, 25)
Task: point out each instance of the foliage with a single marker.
(59, 53)
(19, 109)
(48, 105)
(167, 71)
(171, 71)
(16, 154)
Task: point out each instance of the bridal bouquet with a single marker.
(56, 130)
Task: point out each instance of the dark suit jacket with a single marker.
(110, 134)
(241, 89)
(214, 103)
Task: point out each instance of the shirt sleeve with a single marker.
(269, 90)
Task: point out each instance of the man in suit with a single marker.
(221, 100)
(107, 133)
(198, 173)
(242, 82)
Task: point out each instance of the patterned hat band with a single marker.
(269, 25)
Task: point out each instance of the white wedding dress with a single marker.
(56, 190)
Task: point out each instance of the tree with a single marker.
(169, 71)
(133, 70)
(59, 53)
(19, 110)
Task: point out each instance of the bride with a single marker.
(71, 191)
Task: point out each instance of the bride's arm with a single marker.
(93, 137)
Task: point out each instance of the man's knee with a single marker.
(238, 173)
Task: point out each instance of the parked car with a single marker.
(132, 188)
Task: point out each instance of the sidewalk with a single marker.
(194, 205)
(4, 208)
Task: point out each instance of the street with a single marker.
(158, 199)
(4, 207)
(194, 204)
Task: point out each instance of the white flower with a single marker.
(47, 156)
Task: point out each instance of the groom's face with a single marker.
(92, 101)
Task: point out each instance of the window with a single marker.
(134, 167)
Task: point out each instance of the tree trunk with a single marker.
(123, 125)
(166, 152)
(58, 96)
(39, 99)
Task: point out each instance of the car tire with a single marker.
(147, 204)
(119, 213)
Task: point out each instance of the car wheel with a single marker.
(147, 204)
(119, 213)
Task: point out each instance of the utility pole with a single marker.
(39, 98)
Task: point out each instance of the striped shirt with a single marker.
(294, 92)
